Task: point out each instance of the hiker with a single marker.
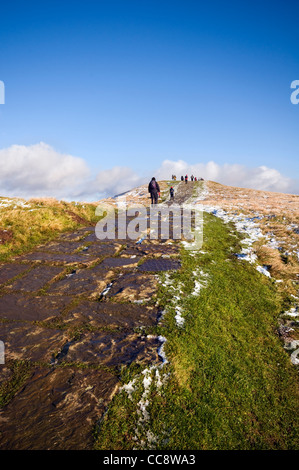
(186, 179)
(192, 177)
(195, 179)
(171, 192)
(182, 178)
(154, 190)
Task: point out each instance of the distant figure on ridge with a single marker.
(154, 190)
(186, 179)
(182, 178)
(171, 192)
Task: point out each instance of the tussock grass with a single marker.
(231, 384)
(280, 266)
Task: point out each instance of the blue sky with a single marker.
(132, 84)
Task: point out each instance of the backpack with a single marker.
(152, 186)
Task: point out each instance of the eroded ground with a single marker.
(75, 311)
(72, 313)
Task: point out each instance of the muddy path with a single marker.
(72, 313)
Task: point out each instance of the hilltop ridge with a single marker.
(128, 343)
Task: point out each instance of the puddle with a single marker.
(159, 265)
(120, 262)
(71, 402)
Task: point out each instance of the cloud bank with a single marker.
(41, 171)
(262, 177)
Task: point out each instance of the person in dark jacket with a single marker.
(154, 190)
(171, 192)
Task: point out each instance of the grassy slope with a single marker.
(231, 384)
(26, 225)
(38, 221)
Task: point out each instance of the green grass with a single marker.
(39, 221)
(20, 371)
(231, 384)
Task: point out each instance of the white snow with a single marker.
(178, 316)
(129, 388)
(292, 345)
(161, 351)
(14, 202)
(295, 358)
(263, 270)
(245, 225)
(198, 285)
(293, 312)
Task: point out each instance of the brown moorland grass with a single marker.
(279, 219)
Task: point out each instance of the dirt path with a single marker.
(72, 314)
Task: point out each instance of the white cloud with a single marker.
(262, 177)
(39, 170)
(111, 182)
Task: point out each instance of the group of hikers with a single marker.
(154, 188)
(192, 178)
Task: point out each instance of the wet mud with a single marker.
(75, 311)
(56, 409)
